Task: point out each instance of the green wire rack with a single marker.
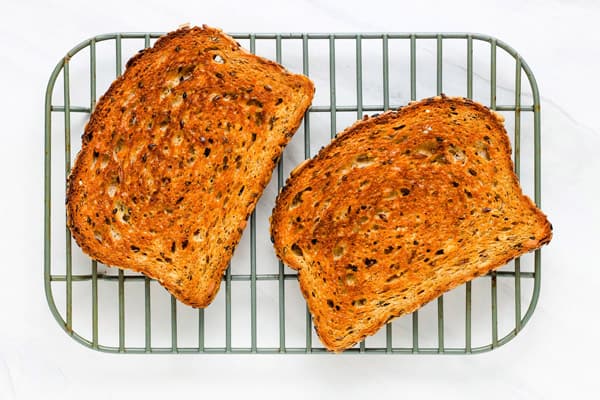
(60, 287)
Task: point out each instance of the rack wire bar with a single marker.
(68, 249)
(517, 159)
(494, 290)
(121, 311)
(468, 317)
(413, 97)
(201, 347)
(339, 108)
(440, 299)
(359, 111)
(234, 277)
(332, 100)
(173, 324)
(326, 109)
(305, 64)
(94, 262)
(386, 106)
(253, 327)
(147, 292)
(281, 279)
(468, 285)
(228, 308)
(147, 315)
(94, 304)
(125, 282)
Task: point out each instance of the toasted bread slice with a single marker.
(176, 155)
(399, 209)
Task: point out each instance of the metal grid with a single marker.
(90, 281)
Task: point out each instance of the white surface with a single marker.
(557, 354)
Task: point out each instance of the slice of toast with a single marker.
(399, 209)
(176, 155)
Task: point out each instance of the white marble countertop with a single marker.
(556, 356)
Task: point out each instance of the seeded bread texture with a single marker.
(176, 155)
(399, 209)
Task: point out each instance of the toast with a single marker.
(176, 155)
(400, 208)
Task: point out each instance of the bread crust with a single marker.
(176, 155)
(400, 208)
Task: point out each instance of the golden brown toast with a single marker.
(399, 209)
(176, 155)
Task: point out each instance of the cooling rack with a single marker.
(259, 309)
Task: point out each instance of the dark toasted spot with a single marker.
(370, 261)
(297, 250)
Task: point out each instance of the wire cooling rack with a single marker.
(259, 309)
